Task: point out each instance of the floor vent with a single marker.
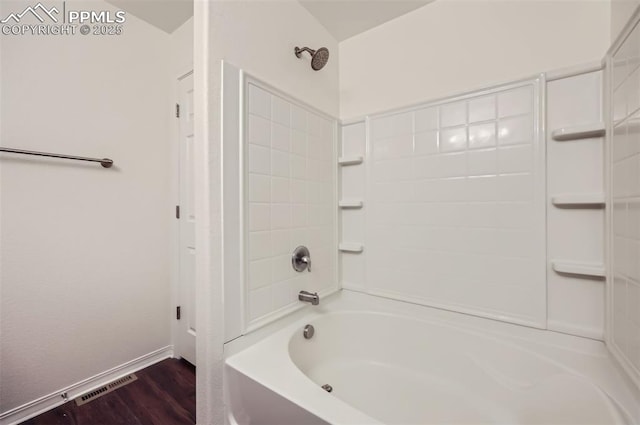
(105, 389)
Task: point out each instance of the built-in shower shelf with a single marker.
(577, 199)
(585, 131)
(350, 247)
(350, 203)
(350, 160)
(577, 268)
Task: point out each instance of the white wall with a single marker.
(84, 250)
(258, 37)
(451, 46)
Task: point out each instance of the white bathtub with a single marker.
(397, 363)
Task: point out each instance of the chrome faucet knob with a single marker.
(301, 259)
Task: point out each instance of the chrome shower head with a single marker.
(319, 58)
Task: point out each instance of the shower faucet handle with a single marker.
(301, 259)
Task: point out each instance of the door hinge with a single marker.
(177, 110)
(177, 211)
(178, 313)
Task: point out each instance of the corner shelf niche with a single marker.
(577, 132)
(578, 268)
(579, 199)
(351, 247)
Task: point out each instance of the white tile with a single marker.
(299, 215)
(393, 170)
(482, 162)
(439, 166)
(280, 192)
(393, 147)
(259, 188)
(392, 125)
(515, 243)
(318, 170)
(259, 245)
(515, 130)
(426, 143)
(280, 111)
(298, 119)
(482, 135)
(319, 215)
(259, 131)
(281, 268)
(453, 114)
(482, 109)
(515, 187)
(259, 217)
(259, 273)
(280, 137)
(280, 216)
(515, 159)
(426, 119)
(441, 190)
(314, 125)
(382, 128)
(320, 148)
(284, 293)
(481, 214)
(279, 164)
(259, 102)
(260, 302)
(453, 139)
(281, 242)
(481, 189)
(259, 159)
(298, 191)
(298, 167)
(515, 102)
(298, 143)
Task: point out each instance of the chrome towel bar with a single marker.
(105, 162)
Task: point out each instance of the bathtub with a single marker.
(390, 362)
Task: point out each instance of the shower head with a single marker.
(319, 58)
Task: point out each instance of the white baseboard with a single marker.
(55, 399)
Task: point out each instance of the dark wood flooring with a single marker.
(165, 393)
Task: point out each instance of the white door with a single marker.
(186, 338)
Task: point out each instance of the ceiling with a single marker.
(167, 15)
(346, 18)
(342, 18)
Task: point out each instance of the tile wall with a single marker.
(625, 198)
(290, 188)
(455, 208)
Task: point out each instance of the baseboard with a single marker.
(55, 399)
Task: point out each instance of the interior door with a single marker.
(186, 339)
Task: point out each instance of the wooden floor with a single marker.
(165, 393)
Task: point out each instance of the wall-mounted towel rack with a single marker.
(105, 162)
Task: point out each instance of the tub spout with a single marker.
(308, 297)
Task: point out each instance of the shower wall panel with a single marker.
(456, 204)
(624, 169)
(290, 200)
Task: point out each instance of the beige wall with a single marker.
(451, 46)
(85, 256)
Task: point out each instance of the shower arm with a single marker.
(304, 49)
